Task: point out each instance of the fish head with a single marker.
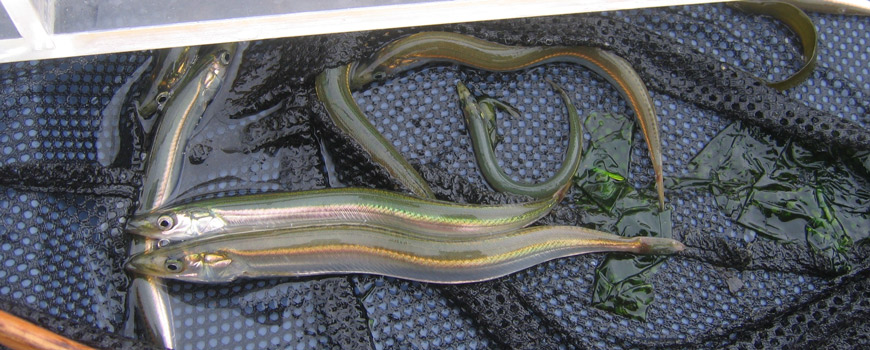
(365, 72)
(169, 263)
(404, 54)
(470, 106)
(380, 67)
(175, 224)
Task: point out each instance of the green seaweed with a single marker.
(777, 188)
(730, 164)
(621, 280)
(785, 192)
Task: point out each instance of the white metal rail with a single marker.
(42, 29)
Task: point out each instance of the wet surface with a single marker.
(741, 283)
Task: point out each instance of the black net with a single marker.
(65, 198)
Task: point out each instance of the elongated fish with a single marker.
(425, 48)
(800, 24)
(282, 210)
(333, 90)
(183, 112)
(479, 118)
(844, 7)
(363, 249)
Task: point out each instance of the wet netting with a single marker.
(756, 274)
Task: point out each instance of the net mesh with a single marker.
(62, 245)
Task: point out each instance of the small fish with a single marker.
(800, 24)
(270, 211)
(480, 115)
(322, 250)
(839, 7)
(183, 111)
(424, 48)
(333, 90)
(171, 68)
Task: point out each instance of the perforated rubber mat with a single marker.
(62, 246)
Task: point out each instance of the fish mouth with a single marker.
(139, 225)
(145, 264)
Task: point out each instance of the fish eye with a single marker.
(165, 222)
(224, 57)
(173, 265)
(379, 75)
(162, 98)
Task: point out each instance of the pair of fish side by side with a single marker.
(358, 230)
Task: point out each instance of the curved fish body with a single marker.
(479, 119)
(334, 91)
(175, 127)
(363, 249)
(800, 24)
(425, 48)
(348, 206)
(839, 7)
